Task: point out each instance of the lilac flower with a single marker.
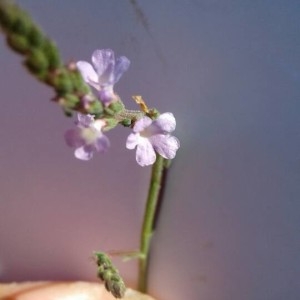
(87, 137)
(105, 72)
(153, 136)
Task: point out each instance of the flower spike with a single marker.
(110, 275)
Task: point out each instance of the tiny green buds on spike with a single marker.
(42, 59)
(37, 62)
(68, 103)
(52, 55)
(22, 25)
(36, 37)
(62, 83)
(79, 85)
(116, 106)
(71, 101)
(110, 275)
(126, 122)
(153, 113)
(18, 43)
(94, 108)
(8, 15)
(110, 124)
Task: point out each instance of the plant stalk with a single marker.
(148, 222)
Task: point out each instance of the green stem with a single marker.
(147, 229)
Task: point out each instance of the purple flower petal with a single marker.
(166, 122)
(84, 120)
(73, 138)
(142, 124)
(107, 77)
(88, 73)
(165, 145)
(101, 59)
(102, 144)
(83, 153)
(145, 154)
(121, 66)
(132, 140)
(104, 62)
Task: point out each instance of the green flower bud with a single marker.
(52, 54)
(153, 113)
(78, 83)
(68, 103)
(126, 122)
(36, 62)
(18, 43)
(62, 84)
(116, 287)
(71, 101)
(95, 108)
(22, 25)
(35, 37)
(8, 15)
(116, 106)
(110, 124)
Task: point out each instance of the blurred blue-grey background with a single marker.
(230, 224)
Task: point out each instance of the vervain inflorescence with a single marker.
(109, 275)
(88, 90)
(74, 84)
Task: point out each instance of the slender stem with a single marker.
(149, 215)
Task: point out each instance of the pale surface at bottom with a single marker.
(49, 290)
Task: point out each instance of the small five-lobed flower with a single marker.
(151, 136)
(104, 73)
(87, 137)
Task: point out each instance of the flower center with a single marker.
(149, 131)
(90, 135)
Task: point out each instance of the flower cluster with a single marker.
(149, 136)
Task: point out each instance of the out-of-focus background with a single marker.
(230, 223)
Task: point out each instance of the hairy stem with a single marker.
(149, 217)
